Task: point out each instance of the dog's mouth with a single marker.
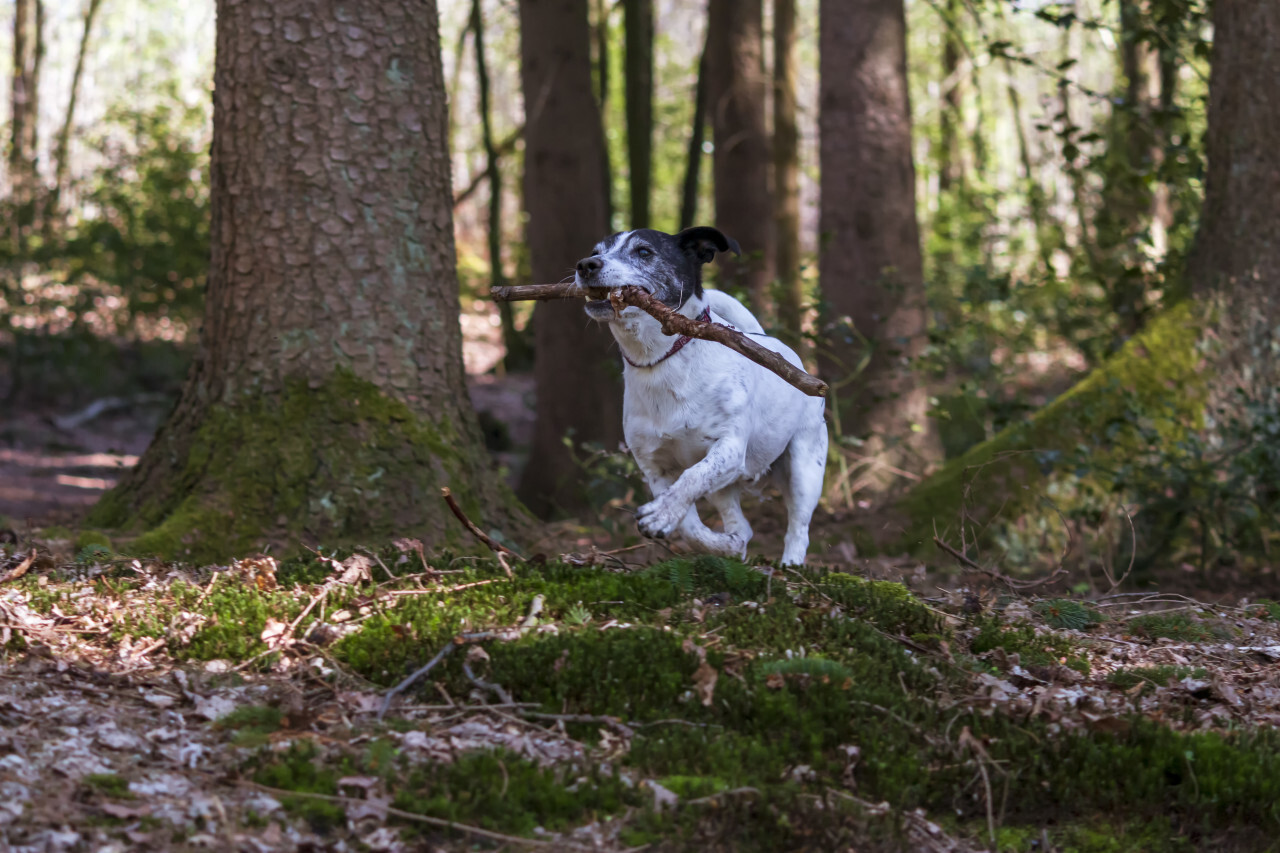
(597, 294)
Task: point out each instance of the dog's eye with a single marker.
(644, 252)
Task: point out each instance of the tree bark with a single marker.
(786, 171)
(870, 262)
(639, 85)
(28, 50)
(603, 63)
(327, 401)
(62, 148)
(736, 91)
(1238, 244)
(576, 370)
(693, 157)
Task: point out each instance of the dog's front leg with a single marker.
(722, 466)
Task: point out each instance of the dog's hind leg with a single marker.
(801, 483)
(736, 527)
(727, 544)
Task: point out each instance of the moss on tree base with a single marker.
(334, 464)
(1162, 371)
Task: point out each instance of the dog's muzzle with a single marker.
(597, 295)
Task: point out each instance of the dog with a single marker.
(701, 420)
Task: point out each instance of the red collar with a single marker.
(704, 317)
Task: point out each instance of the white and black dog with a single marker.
(701, 420)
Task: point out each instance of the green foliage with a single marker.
(108, 785)
(1152, 676)
(149, 234)
(1172, 626)
(252, 724)
(1032, 647)
(816, 668)
(1065, 613)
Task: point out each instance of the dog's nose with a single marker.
(588, 267)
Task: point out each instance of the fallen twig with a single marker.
(995, 575)
(20, 569)
(429, 590)
(420, 818)
(493, 545)
(603, 719)
(430, 665)
(496, 689)
(675, 324)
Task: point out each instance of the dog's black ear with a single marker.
(703, 242)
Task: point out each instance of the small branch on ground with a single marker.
(20, 569)
(404, 685)
(674, 324)
(493, 545)
(995, 575)
(414, 816)
(496, 689)
(604, 720)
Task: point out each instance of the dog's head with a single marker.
(668, 266)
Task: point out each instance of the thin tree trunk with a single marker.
(736, 94)
(61, 150)
(577, 370)
(786, 171)
(518, 353)
(870, 260)
(950, 118)
(1037, 202)
(603, 64)
(327, 402)
(951, 196)
(639, 85)
(28, 20)
(1127, 201)
(697, 135)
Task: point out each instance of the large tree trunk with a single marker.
(576, 370)
(327, 402)
(870, 263)
(1238, 245)
(639, 84)
(786, 170)
(736, 90)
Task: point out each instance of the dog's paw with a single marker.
(659, 518)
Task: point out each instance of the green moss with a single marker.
(55, 533)
(338, 463)
(1160, 369)
(87, 538)
(1171, 626)
(108, 785)
(1154, 835)
(1065, 613)
(1152, 676)
(253, 724)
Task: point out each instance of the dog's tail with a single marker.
(733, 311)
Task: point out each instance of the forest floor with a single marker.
(606, 695)
(600, 701)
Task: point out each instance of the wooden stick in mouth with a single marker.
(674, 324)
